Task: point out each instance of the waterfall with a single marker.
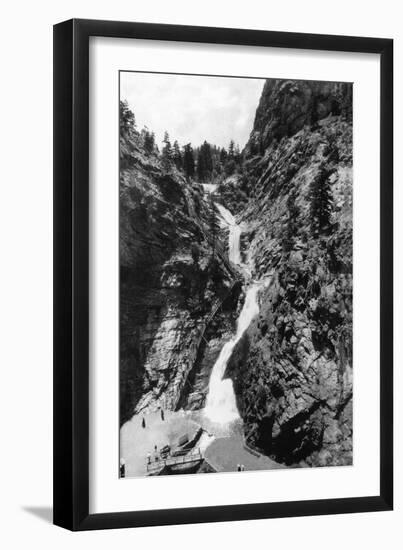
(221, 402)
(234, 249)
(209, 188)
(234, 238)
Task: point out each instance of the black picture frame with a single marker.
(71, 274)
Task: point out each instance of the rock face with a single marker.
(218, 332)
(292, 370)
(170, 278)
(287, 106)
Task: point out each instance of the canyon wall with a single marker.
(292, 370)
(171, 277)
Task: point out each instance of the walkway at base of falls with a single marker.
(223, 451)
(221, 446)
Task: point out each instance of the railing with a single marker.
(251, 450)
(195, 456)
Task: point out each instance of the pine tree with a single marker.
(177, 156)
(149, 140)
(128, 134)
(127, 121)
(254, 147)
(166, 151)
(237, 154)
(208, 159)
(233, 159)
(204, 162)
(231, 149)
(321, 200)
(188, 161)
(200, 165)
(230, 167)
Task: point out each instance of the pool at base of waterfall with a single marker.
(221, 446)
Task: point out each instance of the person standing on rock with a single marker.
(162, 415)
(143, 422)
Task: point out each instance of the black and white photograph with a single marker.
(200, 275)
(235, 274)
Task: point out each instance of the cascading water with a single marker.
(221, 402)
(209, 188)
(234, 237)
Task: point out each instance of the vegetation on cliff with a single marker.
(293, 368)
(291, 190)
(173, 269)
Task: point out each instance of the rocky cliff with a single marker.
(171, 277)
(292, 370)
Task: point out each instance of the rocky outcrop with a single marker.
(170, 278)
(287, 106)
(292, 370)
(231, 194)
(219, 331)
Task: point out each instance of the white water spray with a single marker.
(234, 252)
(209, 188)
(221, 402)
